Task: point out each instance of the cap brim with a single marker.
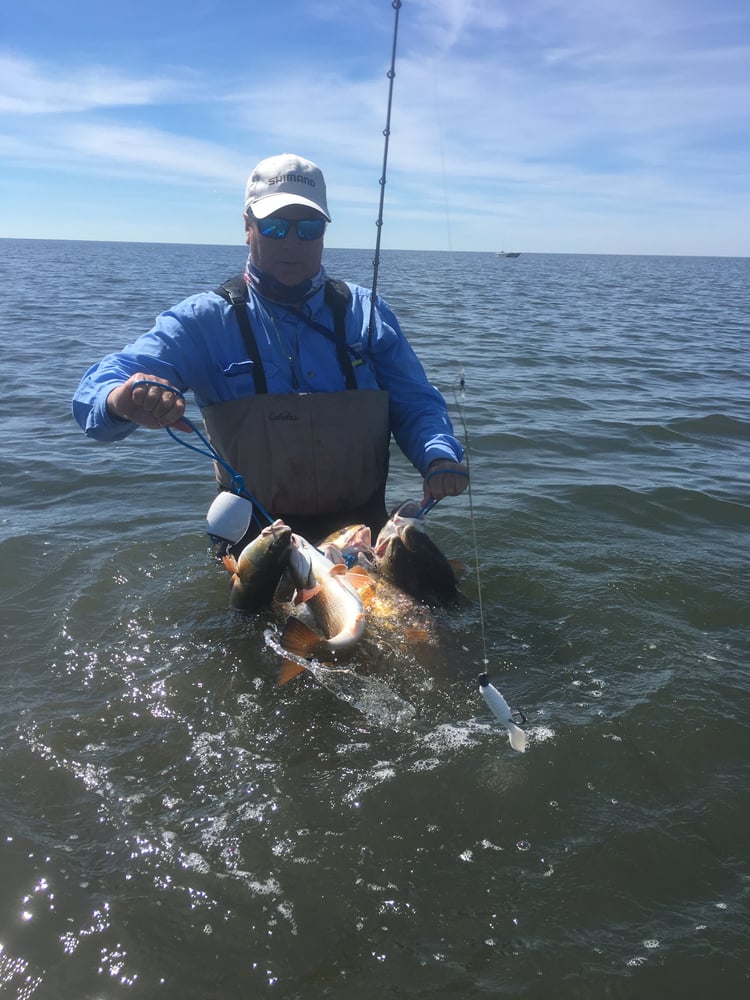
(274, 203)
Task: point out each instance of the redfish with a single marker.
(411, 561)
(258, 569)
(329, 593)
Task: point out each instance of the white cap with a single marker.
(280, 181)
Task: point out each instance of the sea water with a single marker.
(175, 825)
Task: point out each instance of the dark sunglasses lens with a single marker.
(275, 229)
(310, 229)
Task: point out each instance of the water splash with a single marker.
(370, 696)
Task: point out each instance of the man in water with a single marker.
(299, 391)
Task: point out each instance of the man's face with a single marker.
(291, 260)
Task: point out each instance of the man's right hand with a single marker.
(153, 406)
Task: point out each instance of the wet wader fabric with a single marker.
(317, 526)
(309, 456)
(315, 453)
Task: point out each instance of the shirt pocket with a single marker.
(238, 368)
(239, 380)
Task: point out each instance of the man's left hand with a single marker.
(445, 478)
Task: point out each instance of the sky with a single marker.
(561, 126)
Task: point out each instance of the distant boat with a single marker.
(509, 253)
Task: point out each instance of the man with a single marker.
(299, 391)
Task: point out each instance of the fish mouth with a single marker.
(360, 537)
(412, 561)
(381, 548)
(400, 528)
(278, 528)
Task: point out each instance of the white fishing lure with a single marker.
(501, 710)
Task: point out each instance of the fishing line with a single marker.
(472, 520)
(396, 4)
(493, 698)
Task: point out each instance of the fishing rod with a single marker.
(396, 4)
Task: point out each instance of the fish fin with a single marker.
(359, 624)
(459, 568)
(362, 618)
(299, 638)
(229, 563)
(358, 572)
(288, 670)
(303, 596)
(415, 634)
(362, 582)
(366, 592)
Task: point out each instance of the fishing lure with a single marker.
(502, 711)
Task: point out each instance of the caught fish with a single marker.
(357, 536)
(351, 545)
(328, 592)
(394, 618)
(258, 569)
(502, 712)
(399, 621)
(408, 558)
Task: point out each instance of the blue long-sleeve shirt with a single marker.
(197, 346)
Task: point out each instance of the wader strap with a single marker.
(337, 297)
(235, 291)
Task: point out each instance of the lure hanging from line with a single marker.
(501, 710)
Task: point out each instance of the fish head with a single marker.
(271, 544)
(410, 560)
(402, 518)
(259, 567)
(351, 545)
(350, 537)
(300, 564)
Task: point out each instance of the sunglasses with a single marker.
(276, 228)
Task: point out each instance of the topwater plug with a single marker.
(502, 712)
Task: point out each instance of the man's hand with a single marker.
(445, 478)
(151, 406)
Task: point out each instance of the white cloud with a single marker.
(32, 88)
(536, 111)
(151, 148)
(445, 23)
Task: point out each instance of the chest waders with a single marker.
(317, 460)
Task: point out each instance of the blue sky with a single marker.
(537, 125)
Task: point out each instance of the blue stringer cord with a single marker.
(238, 483)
